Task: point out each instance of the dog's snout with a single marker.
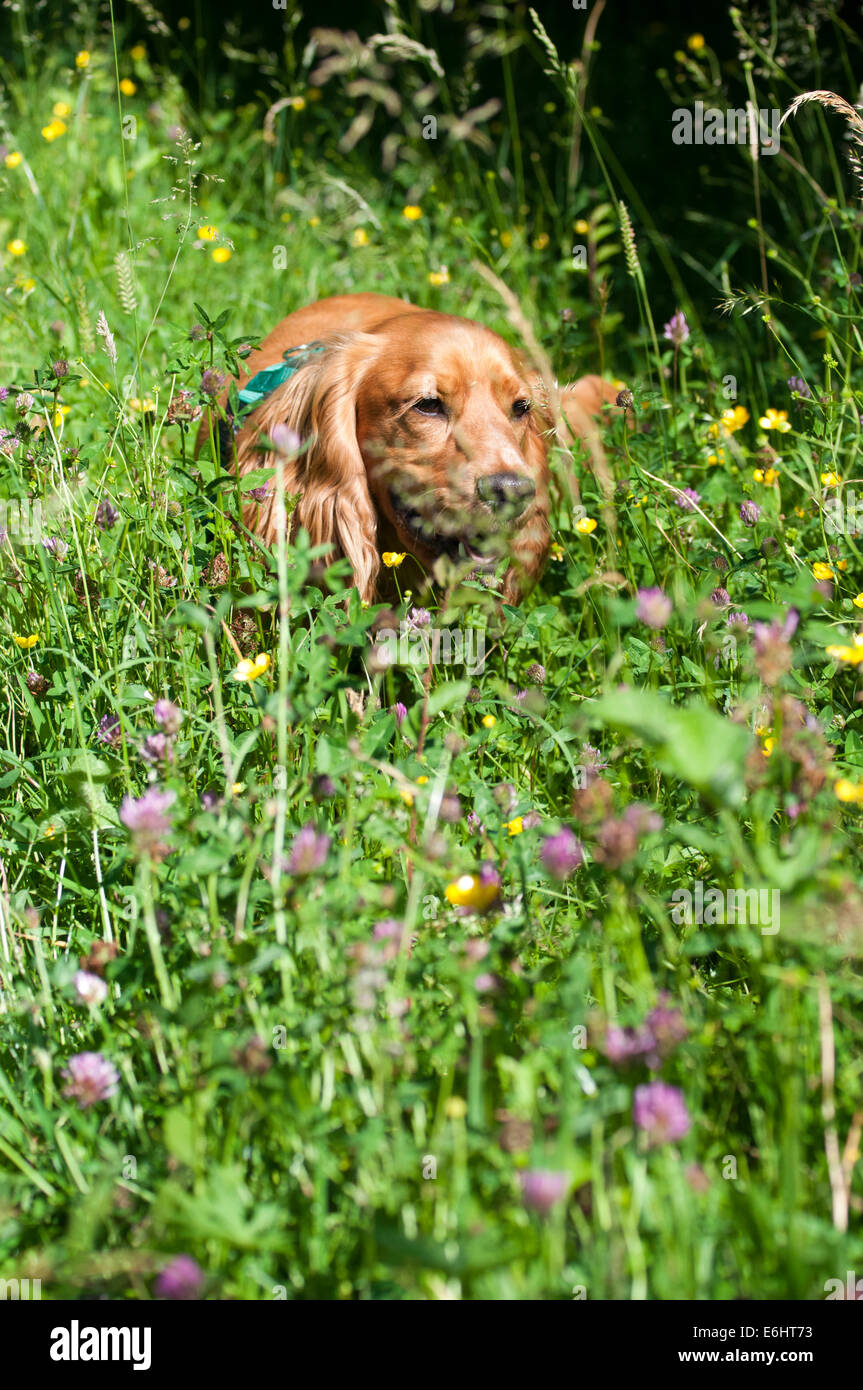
(506, 492)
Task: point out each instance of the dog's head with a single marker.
(425, 430)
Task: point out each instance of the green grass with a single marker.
(304, 1109)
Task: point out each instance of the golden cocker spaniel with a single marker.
(422, 433)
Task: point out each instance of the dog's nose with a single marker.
(506, 492)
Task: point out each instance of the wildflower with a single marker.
(775, 420)
(16, 247)
(653, 608)
(36, 684)
(858, 601)
(91, 1078)
(181, 1279)
(617, 839)
(749, 513)
(109, 730)
(585, 525)
(695, 43)
(53, 130)
(138, 53)
(250, 670)
(475, 892)
(851, 656)
(91, 989)
(540, 242)
(542, 1189)
(393, 558)
(677, 329)
(308, 852)
(25, 643)
(212, 382)
(822, 571)
(222, 254)
(208, 233)
(488, 721)
(417, 619)
(687, 499)
(555, 550)
(848, 791)
(734, 418)
(82, 59)
(830, 480)
(561, 854)
(772, 647)
(582, 227)
(412, 212)
(660, 1110)
(400, 712)
(55, 546)
(127, 87)
(145, 817)
(106, 516)
(168, 716)
(514, 826)
(156, 748)
(439, 277)
(767, 476)
(798, 385)
(12, 159)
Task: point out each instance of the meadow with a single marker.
(323, 977)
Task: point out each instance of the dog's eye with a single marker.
(520, 408)
(430, 405)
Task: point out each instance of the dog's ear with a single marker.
(319, 402)
(584, 399)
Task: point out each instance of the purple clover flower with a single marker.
(91, 1078)
(308, 852)
(182, 1278)
(561, 854)
(653, 608)
(660, 1110)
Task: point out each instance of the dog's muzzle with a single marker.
(508, 494)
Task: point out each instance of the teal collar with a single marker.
(263, 383)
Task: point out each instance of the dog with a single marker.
(423, 434)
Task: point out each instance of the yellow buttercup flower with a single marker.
(145, 405)
(360, 237)
(250, 670)
(61, 108)
(208, 233)
(515, 826)
(469, 891)
(314, 222)
(407, 797)
(822, 571)
(16, 247)
(851, 656)
(297, 103)
(767, 746)
(455, 1108)
(775, 420)
(734, 418)
(25, 642)
(82, 59)
(488, 721)
(695, 43)
(830, 480)
(540, 242)
(421, 781)
(506, 239)
(846, 790)
(439, 277)
(858, 601)
(582, 227)
(555, 550)
(139, 53)
(53, 130)
(412, 212)
(767, 476)
(585, 525)
(221, 254)
(127, 87)
(12, 159)
(842, 565)
(393, 558)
